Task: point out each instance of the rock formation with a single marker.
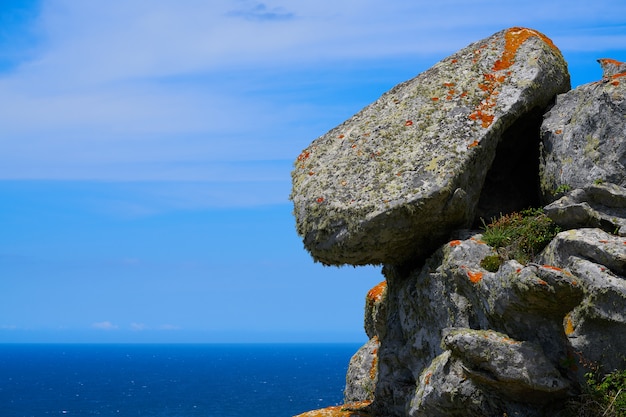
(391, 183)
(448, 337)
(579, 148)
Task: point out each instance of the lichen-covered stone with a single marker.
(596, 327)
(451, 291)
(362, 373)
(346, 410)
(375, 310)
(599, 205)
(518, 369)
(584, 138)
(391, 183)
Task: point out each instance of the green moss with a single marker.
(491, 263)
(520, 236)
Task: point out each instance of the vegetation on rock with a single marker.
(602, 396)
(519, 236)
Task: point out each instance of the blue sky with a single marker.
(146, 149)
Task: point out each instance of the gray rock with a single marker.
(596, 327)
(601, 205)
(391, 183)
(611, 67)
(375, 311)
(519, 370)
(462, 381)
(526, 303)
(362, 373)
(584, 138)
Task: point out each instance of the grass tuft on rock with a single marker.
(603, 396)
(519, 235)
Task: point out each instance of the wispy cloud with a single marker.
(203, 91)
(260, 11)
(104, 325)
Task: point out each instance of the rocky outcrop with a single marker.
(448, 337)
(391, 183)
(583, 137)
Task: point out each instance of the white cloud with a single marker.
(104, 325)
(169, 90)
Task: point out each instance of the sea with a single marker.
(186, 380)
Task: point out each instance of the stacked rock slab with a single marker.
(389, 185)
(447, 337)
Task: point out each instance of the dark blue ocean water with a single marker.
(170, 380)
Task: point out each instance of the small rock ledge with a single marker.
(489, 130)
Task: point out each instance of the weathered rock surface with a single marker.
(596, 328)
(448, 337)
(584, 137)
(362, 373)
(600, 205)
(391, 183)
(453, 295)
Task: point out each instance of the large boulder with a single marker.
(389, 185)
(584, 137)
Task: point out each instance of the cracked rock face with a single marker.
(584, 137)
(390, 184)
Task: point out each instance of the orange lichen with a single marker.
(376, 293)
(514, 38)
(477, 241)
(374, 363)
(320, 199)
(341, 136)
(454, 61)
(484, 117)
(603, 241)
(569, 325)
(541, 282)
(408, 123)
(473, 144)
(610, 61)
(346, 410)
(427, 378)
(455, 243)
(311, 173)
(435, 98)
(475, 277)
(615, 83)
(304, 155)
(556, 268)
(510, 341)
(616, 76)
(558, 132)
